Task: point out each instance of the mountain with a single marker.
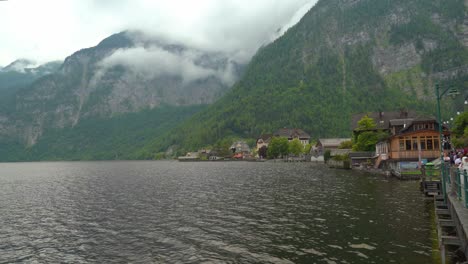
(23, 72)
(19, 65)
(126, 73)
(343, 57)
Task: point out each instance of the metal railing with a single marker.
(461, 188)
(465, 176)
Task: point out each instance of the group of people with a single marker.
(459, 160)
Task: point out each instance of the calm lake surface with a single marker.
(219, 212)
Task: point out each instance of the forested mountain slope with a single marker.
(128, 72)
(343, 57)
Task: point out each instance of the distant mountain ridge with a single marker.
(343, 57)
(23, 72)
(19, 65)
(126, 72)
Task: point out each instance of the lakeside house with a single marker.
(419, 138)
(190, 156)
(289, 133)
(331, 144)
(411, 137)
(263, 141)
(293, 133)
(241, 150)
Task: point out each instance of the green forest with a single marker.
(319, 91)
(118, 138)
(314, 77)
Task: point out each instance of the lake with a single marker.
(209, 212)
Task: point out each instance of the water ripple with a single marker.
(232, 212)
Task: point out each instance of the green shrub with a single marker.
(327, 155)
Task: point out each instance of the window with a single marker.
(429, 144)
(436, 143)
(408, 143)
(415, 143)
(402, 144)
(423, 143)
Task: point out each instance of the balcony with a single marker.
(414, 154)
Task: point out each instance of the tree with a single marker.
(327, 155)
(222, 147)
(367, 140)
(262, 152)
(295, 147)
(366, 123)
(307, 149)
(366, 135)
(460, 124)
(460, 131)
(278, 147)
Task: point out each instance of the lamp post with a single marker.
(453, 92)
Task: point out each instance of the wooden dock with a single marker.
(452, 225)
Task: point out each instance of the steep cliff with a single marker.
(21, 73)
(127, 72)
(343, 57)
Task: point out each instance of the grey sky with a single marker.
(53, 29)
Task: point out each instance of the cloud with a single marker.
(296, 17)
(53, 29)
(152, 62)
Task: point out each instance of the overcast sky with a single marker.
(45, 30)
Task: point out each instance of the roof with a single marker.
(265, 137)
(420, 120)
(291, 133)
(382, 119)
(332, 142)
(240, 146)
(401, 122)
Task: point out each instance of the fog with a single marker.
(49, 30)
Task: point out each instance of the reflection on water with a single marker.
(221, 212)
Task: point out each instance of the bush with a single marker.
(346, 145)
(327, 155)
(344, 157)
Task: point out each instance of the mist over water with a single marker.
(220, 212)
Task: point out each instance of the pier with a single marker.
(451, 208)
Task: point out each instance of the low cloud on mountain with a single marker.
(152, 62)
(60, 28)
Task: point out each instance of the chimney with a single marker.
(403, 113)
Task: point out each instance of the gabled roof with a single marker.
(382, 119)
(401, 122)
(332, 142)
(291, 133)
(419, 120)
(265, 137)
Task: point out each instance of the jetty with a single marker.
(451, 208)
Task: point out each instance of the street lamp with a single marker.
(453, 92)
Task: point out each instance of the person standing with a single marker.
(463, 165)
(458, 160)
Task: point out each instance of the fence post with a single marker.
(449, 173)
(458, 183)
(465, 180)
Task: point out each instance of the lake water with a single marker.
(220, 212)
